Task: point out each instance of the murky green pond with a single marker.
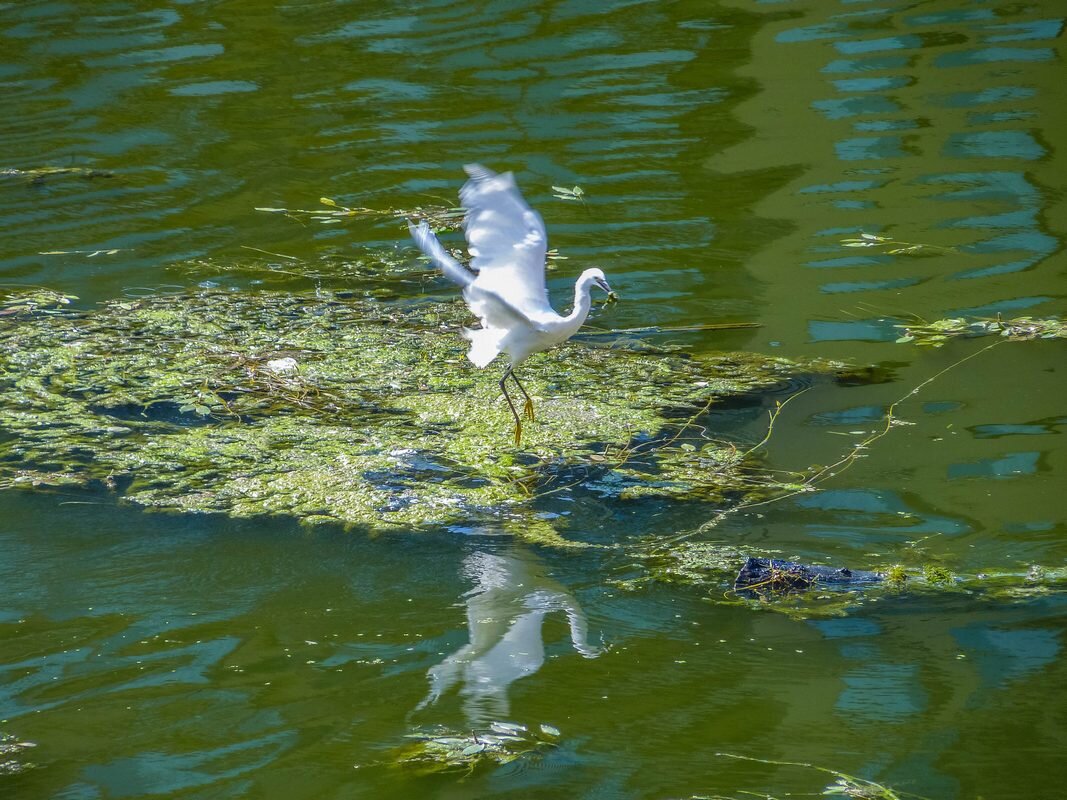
(727, 152)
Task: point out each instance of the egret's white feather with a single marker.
(505, 285)
(486, 344)
(506, 239)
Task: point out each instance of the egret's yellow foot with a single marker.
(518, 433)
(528, 409)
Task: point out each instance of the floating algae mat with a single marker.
(333, 409)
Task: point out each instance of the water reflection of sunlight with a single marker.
(951, 110)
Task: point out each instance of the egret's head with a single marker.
(596, 276)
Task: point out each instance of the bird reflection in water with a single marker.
(506, 609)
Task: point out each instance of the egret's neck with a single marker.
(582, 302)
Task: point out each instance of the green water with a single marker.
(725, 150)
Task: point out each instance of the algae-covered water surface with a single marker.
(357, 413)
(265, 530)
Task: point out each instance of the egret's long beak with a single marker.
(603, 284)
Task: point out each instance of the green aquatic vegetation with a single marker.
(688, 562)
(896, 576)
(1037, 582)
(440, 217)
(12, 753)
(843, 784)
(713, 567)
(895, 246)
(353, 411)
(937, 333)
(1013, 585)
(444, 750)
(809, 481)
(378, 272)
(34, 301)
(38, 175)
(935, 574)
(573, 193)
(813, 604)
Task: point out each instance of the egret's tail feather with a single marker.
(485, 345)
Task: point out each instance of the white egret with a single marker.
(505, 283)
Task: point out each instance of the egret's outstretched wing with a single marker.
(497, 315)
(430, 245)
(506, 239)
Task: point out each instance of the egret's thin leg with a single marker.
(514, 413)
(528, 409)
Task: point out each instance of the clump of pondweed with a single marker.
(937, 574)
(444, 750)
(686, 562)
(896, 576)
(12, 751)
(937, 333)
(34, 301)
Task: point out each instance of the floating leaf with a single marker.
(86, 253)
(563, 193)
(897, 247)
(507, 727)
